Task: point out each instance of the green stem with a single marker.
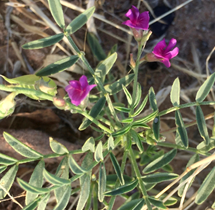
(137, 172)
(175, 146)
(53, 155)
(98, 81)
(136, 72)
(172, 109)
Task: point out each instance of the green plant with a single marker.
(115, 132)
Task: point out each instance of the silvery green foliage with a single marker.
(125, 135)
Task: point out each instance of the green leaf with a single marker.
(158, 177)
(141, 107)
(139, 205)
(205, 148)
(178, 140)
(168, 168)
(110, 143)
(94, 112)
(21, 148)
(57, 12)
(32, 82)
(175, 93)
(6, 160)
(33, 189)
(80, 20)
(62, 172)
(122, 131)
(193, 159)
(102, 182)
(61, 205)
(149, 186)
(42, 204)
(2, 168)
(57, 147)
(104, 66)
(85, 191)
(160, 162)
(58, 66)
(134, 196)
(137, 140)
(148, 118)
(89, 145)
(131, 204)
(156, 127)
(138, 96)
(95, 47)
(122, 109)
(76, 169)
(202, 125)
(152, 99)
(112, 178)
(45, 42)
(128, 95)
(127, 120)
(181, 128)
(171, 201)
(117, 168)
(7, 180)
(54, 179)
(33, 204)
(117, 86)
(35, 180)
(157, 203)
(113, 50)
(98, 155)
(123, 189)
(206, 188)
(94, 192)
(205, 88)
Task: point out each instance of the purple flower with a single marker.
(137, 20)
(78, 90)
(164, 53)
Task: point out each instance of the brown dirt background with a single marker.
(194, 29)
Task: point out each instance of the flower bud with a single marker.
(59, 103)
(7, 105)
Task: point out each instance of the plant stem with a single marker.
(97, 79)
(175, 146)
(136, 72)
(138, 175)
(172, 109)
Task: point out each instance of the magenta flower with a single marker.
(137, 20)
(164, 53)
(78, 90)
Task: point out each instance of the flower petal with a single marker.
(174, 52)
(129, 23)
(158, 49)
(171, 44)
(143, 20)
(133, 14)
(76, 97)
(75, 84)
(83, 81)
(166, 62)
